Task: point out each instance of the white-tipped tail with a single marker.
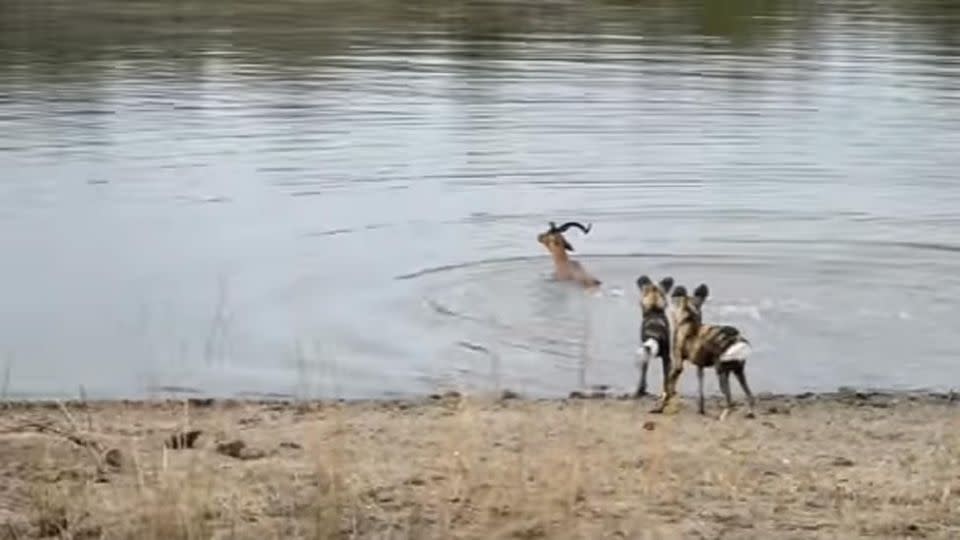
(738, 352)
(648, 350)
(652, 347)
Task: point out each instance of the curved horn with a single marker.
(569, 224)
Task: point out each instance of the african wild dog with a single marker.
(654, 330)
(720, 346)
(566, 269)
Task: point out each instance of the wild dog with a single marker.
(654, 330)
(719, 346)
(565, 268)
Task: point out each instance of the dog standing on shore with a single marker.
(722, 347)
(654, 329)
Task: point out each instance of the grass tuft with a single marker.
(459, 466)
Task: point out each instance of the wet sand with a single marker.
(842, 465)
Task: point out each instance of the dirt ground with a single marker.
(844, 465)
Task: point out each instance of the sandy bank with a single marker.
(835, 465)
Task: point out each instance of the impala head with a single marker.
(687, 309)
(653, 296)
(553, 238)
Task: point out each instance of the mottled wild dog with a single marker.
(719, 346)
(654, 330)
(565, 268)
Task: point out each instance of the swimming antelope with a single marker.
(704, 345)
(565, 268)
(654, 330)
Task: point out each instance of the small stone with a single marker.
(200, 402)
(843, 462)
(509, 394)
(291, 445)
(114, 458)
(649, 425)
(239, 450)
(232, 448)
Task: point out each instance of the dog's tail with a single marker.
(650, 349)
(738, 352)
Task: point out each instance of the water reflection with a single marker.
(89, 36)
(308, 153)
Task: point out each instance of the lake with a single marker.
(319, 199)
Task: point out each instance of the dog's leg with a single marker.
(646, 351)
(665, 360)
(700, 407)
(740, 372)
(676, 369)
(723, 375)
(642, 385)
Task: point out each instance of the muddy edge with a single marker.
(767, 403)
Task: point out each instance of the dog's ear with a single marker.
(679, 292)
(643, 281)
(700, 294)
(666, 284)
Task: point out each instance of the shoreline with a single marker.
(845, 394)
(850, 463)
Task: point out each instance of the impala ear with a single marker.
(566, 245)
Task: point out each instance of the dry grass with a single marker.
(834, 466)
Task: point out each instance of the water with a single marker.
(341, 198)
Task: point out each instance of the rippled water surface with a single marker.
(342, 198)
